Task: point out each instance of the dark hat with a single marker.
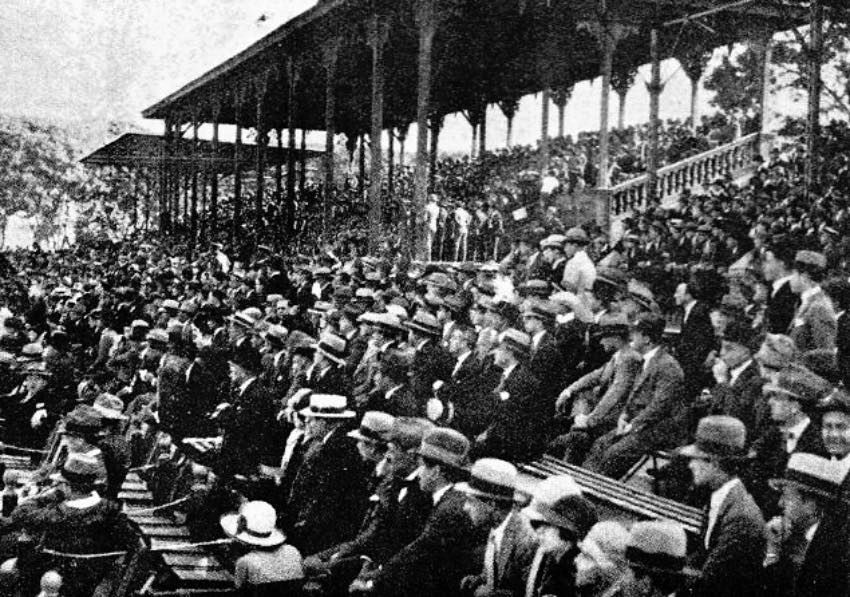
(84, 420)
(800, 384)
(658, 546)
(813, 474)
(612, 276)
(82, 468)
(504, 309)
(110, 407)
(375, 427)
(408, 432)
(445, 446)
(424, 323)
(718, 436)
(837, 401)
(491, 479)
(558, 501)
(517, 341)
(650, 324)
(613, 324)
(576, 235)
(333, 347)
(245, 355)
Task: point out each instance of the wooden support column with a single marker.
(236, 225)
(193, 216)
(260, 88)
(213, 174)
(426, 20)
(655, 87)
(482, 131)
(165, 154)
(361, 165)
(278, 170)
(402, 137)
(813, 130)
(436, 127)
(178, 173)
(377, 37)
(331, 53)
(202, 235)
(291, 83)
(391, 161)
(544, 131)
(302, 164)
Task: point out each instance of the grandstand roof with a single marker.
(140, 150)
(483, 49)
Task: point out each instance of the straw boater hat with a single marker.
(491, 480)
(777, 351)
(837, 401)
(517, 341)
(375, 427)
(718, 436)
(328, 406)
(658, 546)
(110, 407)
(799, 384)
(445, 446)
(254, 524)
(812, 474)
(424, 323)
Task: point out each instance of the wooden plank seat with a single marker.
(637, 503)
(177, 565)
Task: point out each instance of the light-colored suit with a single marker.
(814, 325)
(505, 570)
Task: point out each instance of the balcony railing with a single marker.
(734, 158)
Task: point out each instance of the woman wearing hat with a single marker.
(266, 557)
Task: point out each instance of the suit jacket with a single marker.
(430, 363)
(611, 383)
(842, 341)
(656, 407)
(435, 562)
(547, 365)
(742, 400)
(251, 433)
(332, 380)
(780, 310)
(518, 431)
(695, 342)
(732, 564)
(508, 571)
(814, 324)
(470, 392)
(328, 494)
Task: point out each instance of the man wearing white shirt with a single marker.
(462, 219)
(432, 217)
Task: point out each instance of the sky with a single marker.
(109, 59)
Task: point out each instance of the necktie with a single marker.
(531, 586)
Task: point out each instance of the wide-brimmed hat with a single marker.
(718, 436)
(82, 468)
(276, 334)
(558, 501)
(445, 446)
(408, 432)
(658, 546)
(535, 287)
(517, 341)
(110, 407)
(424, 323)
(328, 406)
(254, 524)
(243, 320)
(811, 259)
(576, 235)
(491, 479)
(84, 420)
(611, 324)
(540, 309)
(800, 384)
(777, 351)
(813, 474)
(553, 241)
(375, 427)
(333, 347)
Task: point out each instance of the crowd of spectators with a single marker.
(371, 413)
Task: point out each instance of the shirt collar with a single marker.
(810, 533)
(438, 495)
(507, 372)
(780, 282)
(736, 372)
(535, 340)
(807, 294)
(689, 307)
(648, 356)
(421, 344)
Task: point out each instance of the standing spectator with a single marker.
(579, 271)
(814, 324)
(432, 217)
(463, 219)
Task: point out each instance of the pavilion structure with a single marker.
(195, 167)
(362, 67)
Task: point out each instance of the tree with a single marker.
(622, 79)
(509, 108)
(561, 97)
(736, 84)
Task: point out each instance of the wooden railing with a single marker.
(734, 158)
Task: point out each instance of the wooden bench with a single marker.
(627, 501)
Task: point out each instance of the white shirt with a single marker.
(793, 434)
(535, 340)
(735, 373)
(808, 294)
(688, 308)
(810, 533)
(507, 372)
(648, 356)
(460, 361)
(717, 499)
(432, 210)
(438, 495)
(463, 218)
(845, 463)
(777, 284)
(579, 273)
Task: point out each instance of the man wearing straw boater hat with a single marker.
(491, 504)
(810, 488)
(328, 494)
(732, 548)
(435, 562)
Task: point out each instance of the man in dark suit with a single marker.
(546, 362)
(782, 301)
(731, 553)
(518, 430)
(431, 362)
(327, 499)
(327, 374)
(791, 397)
(491, 504)
(435, 562)
(838, 290)
(467, 396)
(655, 412)
(697, 337)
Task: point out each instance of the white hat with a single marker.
(254, 524)
(328, 406)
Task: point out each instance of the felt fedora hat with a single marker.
(445, 446)
(658, 546)
(491, 479)
(333, 347)
(718, 436)
(375, 427)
